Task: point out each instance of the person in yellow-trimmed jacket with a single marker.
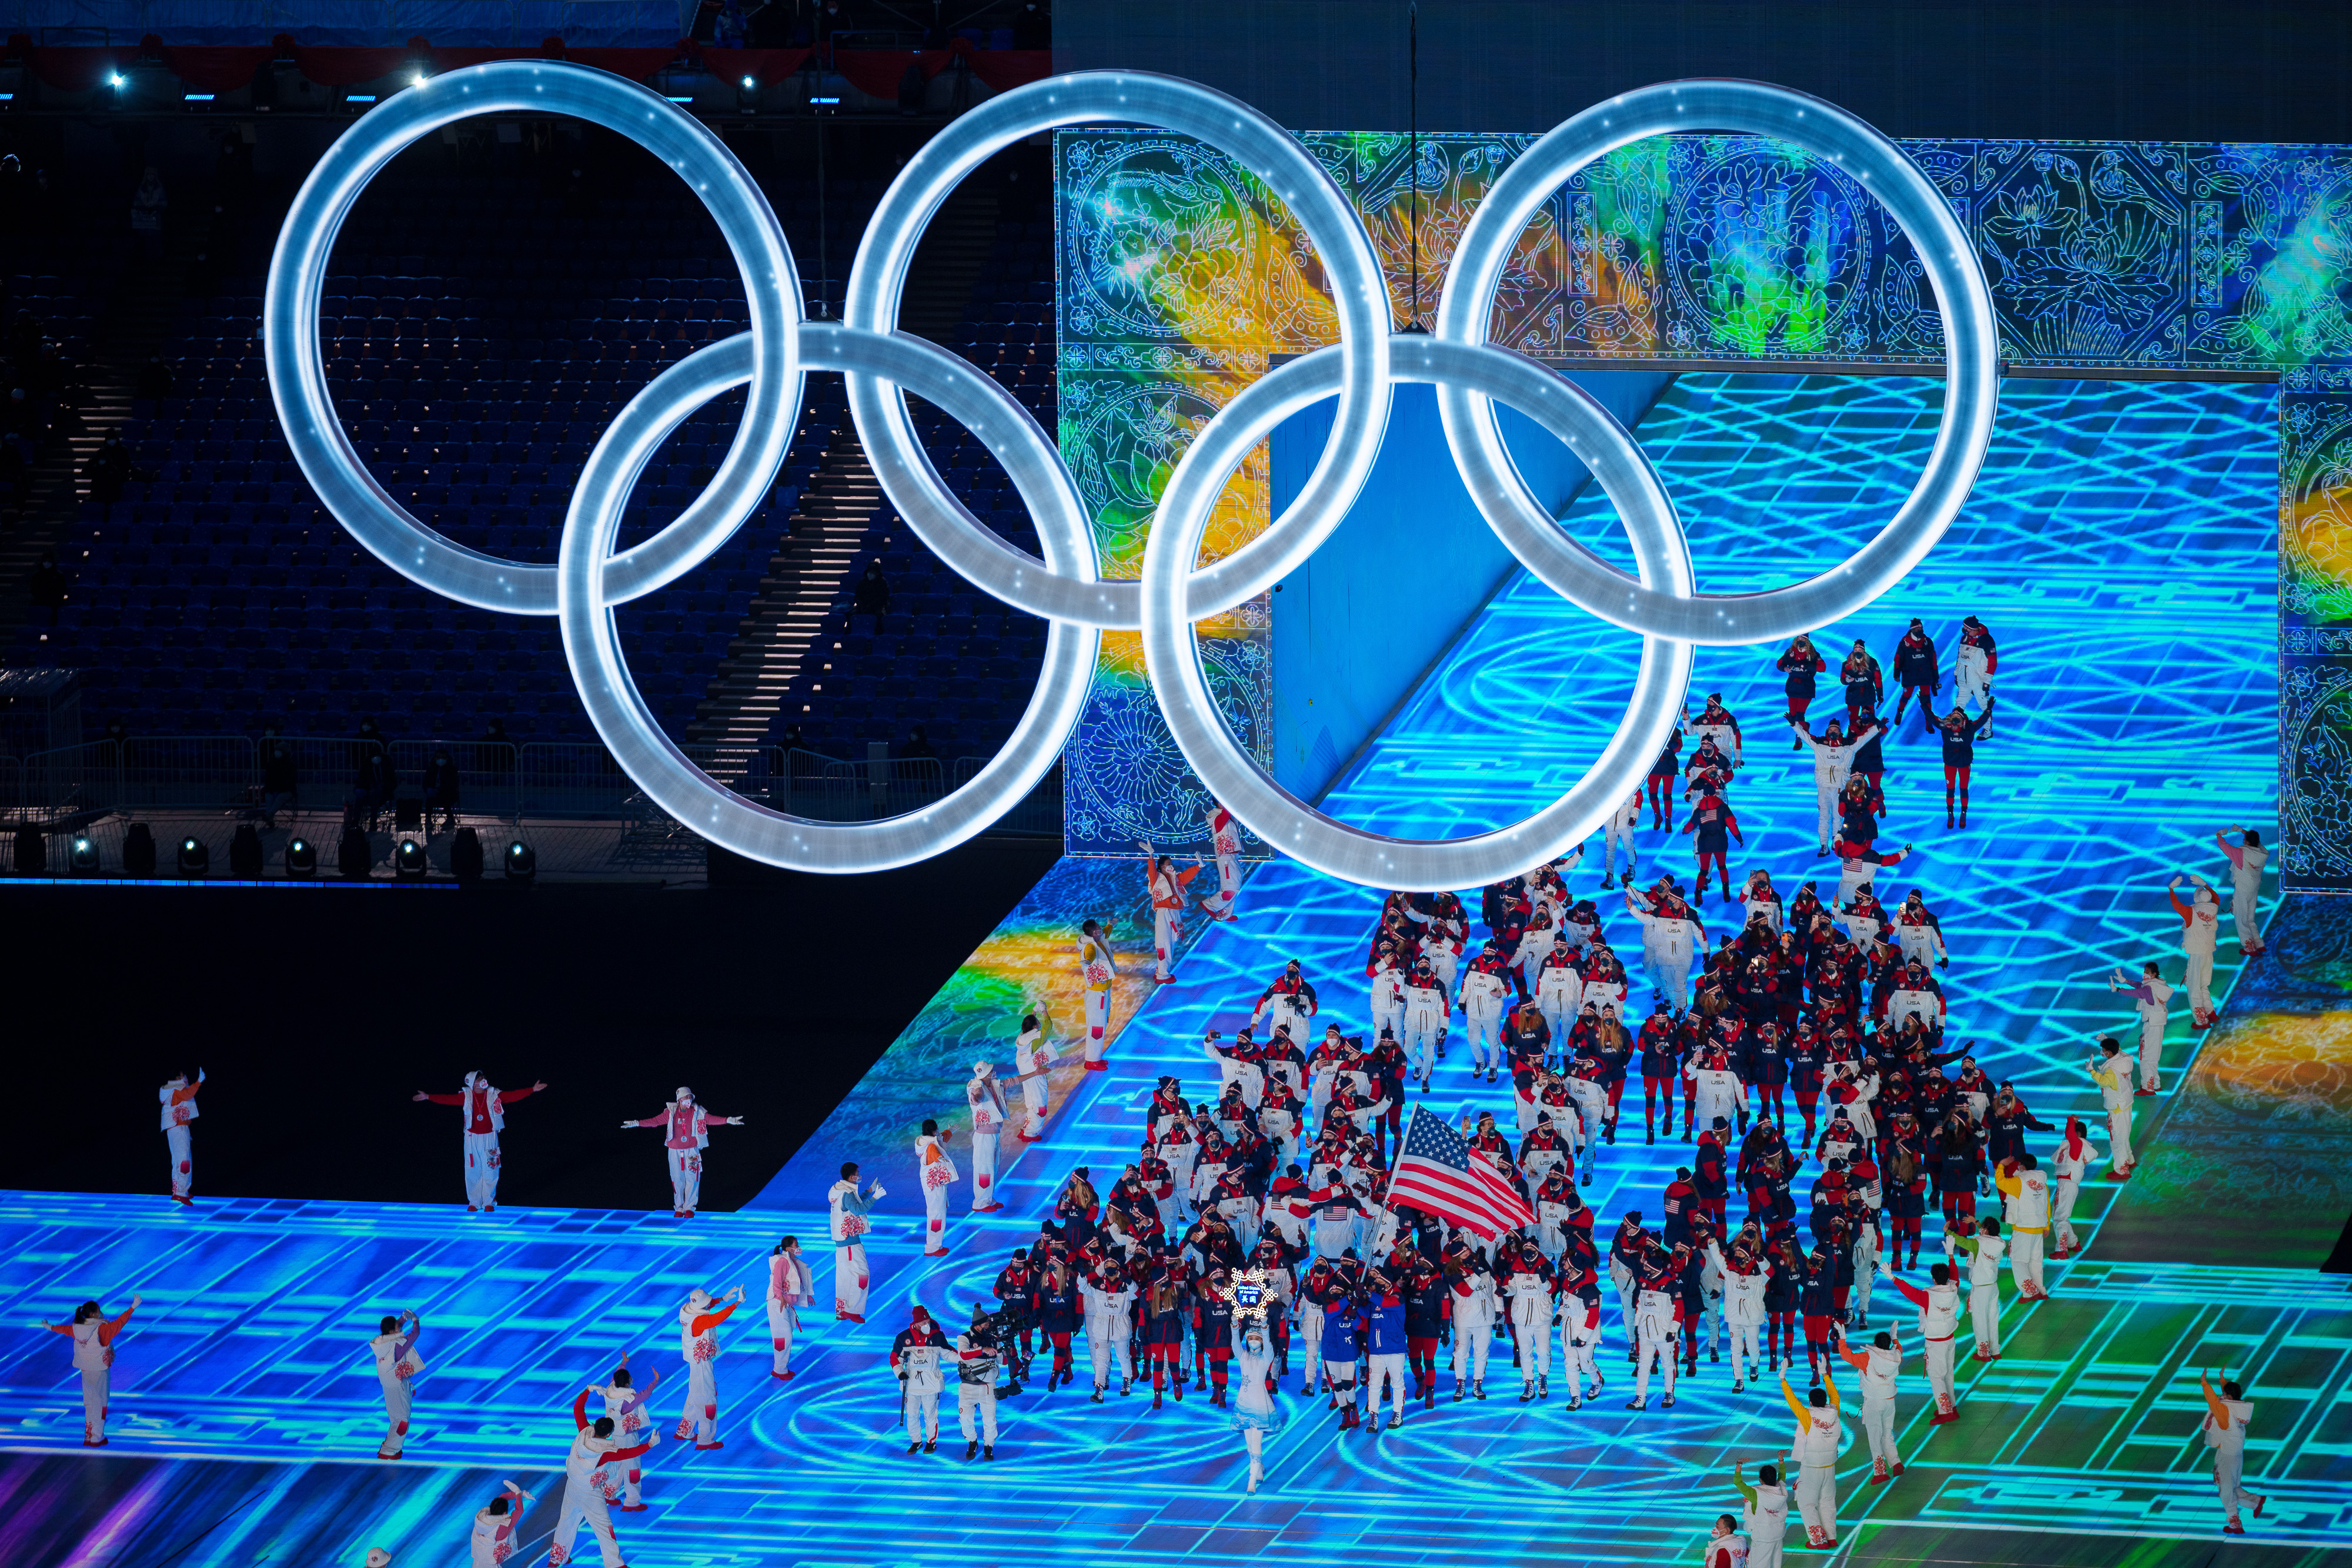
(1812, 1452)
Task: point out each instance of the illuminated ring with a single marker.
(298, 381)
(1972, 372)
(1289, 824)
(591, 645)
(1359, 290)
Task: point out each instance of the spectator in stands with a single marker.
(47, 587)
(873, 595)
(371, 777)
(1032, 27)
(279, 781)
(154, 381)
(118, 734)
(108, 469)
(441, 788)
(147, 205)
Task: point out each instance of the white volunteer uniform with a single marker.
(1032, 1054)
(2029, 1225)
(1768, 1525)
(1939, 1319)
(846, 1221)
(2246, 893)
(1878, 1402)
(626, 1407)
(1227, 835)
(94, 1359)
(2199, 934)
(986, 1099)
(1813, 1453)
(2153, 1008)
(2069, 1170)
(492, 1542)
(176, 1115)
(699, 1420)
(935, 1170)
(2113, 1075)
(2228, 1446)
(585, 1502)
(1098, 966)
(791, 1287)
(392, 1372)
(1984, 1295)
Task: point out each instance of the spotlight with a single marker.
(138, 851)
(302, 858)
(114, 79)
(522, 864)
(749, 82)
(466, 855)
(418, 80)
(83, 859)
(195, 860)
(747, 95)
(408, 861)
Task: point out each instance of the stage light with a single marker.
(195, 860)
(466, 855)
(245, 855)
(408, 861)
(138, 851)
(522, 864)
(301, 857)
(114, 79)
(749, 83)
(418, 80)
(83, 860)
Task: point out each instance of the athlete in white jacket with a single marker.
(1833, 762)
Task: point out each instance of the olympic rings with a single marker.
(1661, 601)
(1660, 553)
(591, 645)
(1359, 290)
(1972, 372)
(298, 379)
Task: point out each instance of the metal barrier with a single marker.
(879, 786)
(88, 777)
(187, 772)
(489, 775)
(569, 778)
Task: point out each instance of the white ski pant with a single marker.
(1939, 1376)
(2025, 1258)
(1167, 926)
(780, 1334)
(481, 1169)
(1817, 1498)
(2119, 1138)
(983, 1169)
(2200, 979)
(395, 1414)
(2061, 1214)
(1387, 1367)
(850, 1278)
(684, 1179)
(1878, 1426)
(1578, 1346)
(184, 1169)
(699, 1420)
(980, 1397)
(1532, 1320)
(1471, 1343)
(94, 1381)
(584, 1504)
(935, 1218)
(922, 1414)
(1984, 1317)
(1098, 1025)
(1486, 1041)
(1646, 1351)
(2229, 1468)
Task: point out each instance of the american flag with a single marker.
(1436, 1173)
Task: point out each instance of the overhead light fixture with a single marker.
(195, 860)
(302, 858)
(522, 864)
(82, 859)
(408, 861)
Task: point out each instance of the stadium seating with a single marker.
(475, 363)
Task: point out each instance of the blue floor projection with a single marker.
(2120, 545)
